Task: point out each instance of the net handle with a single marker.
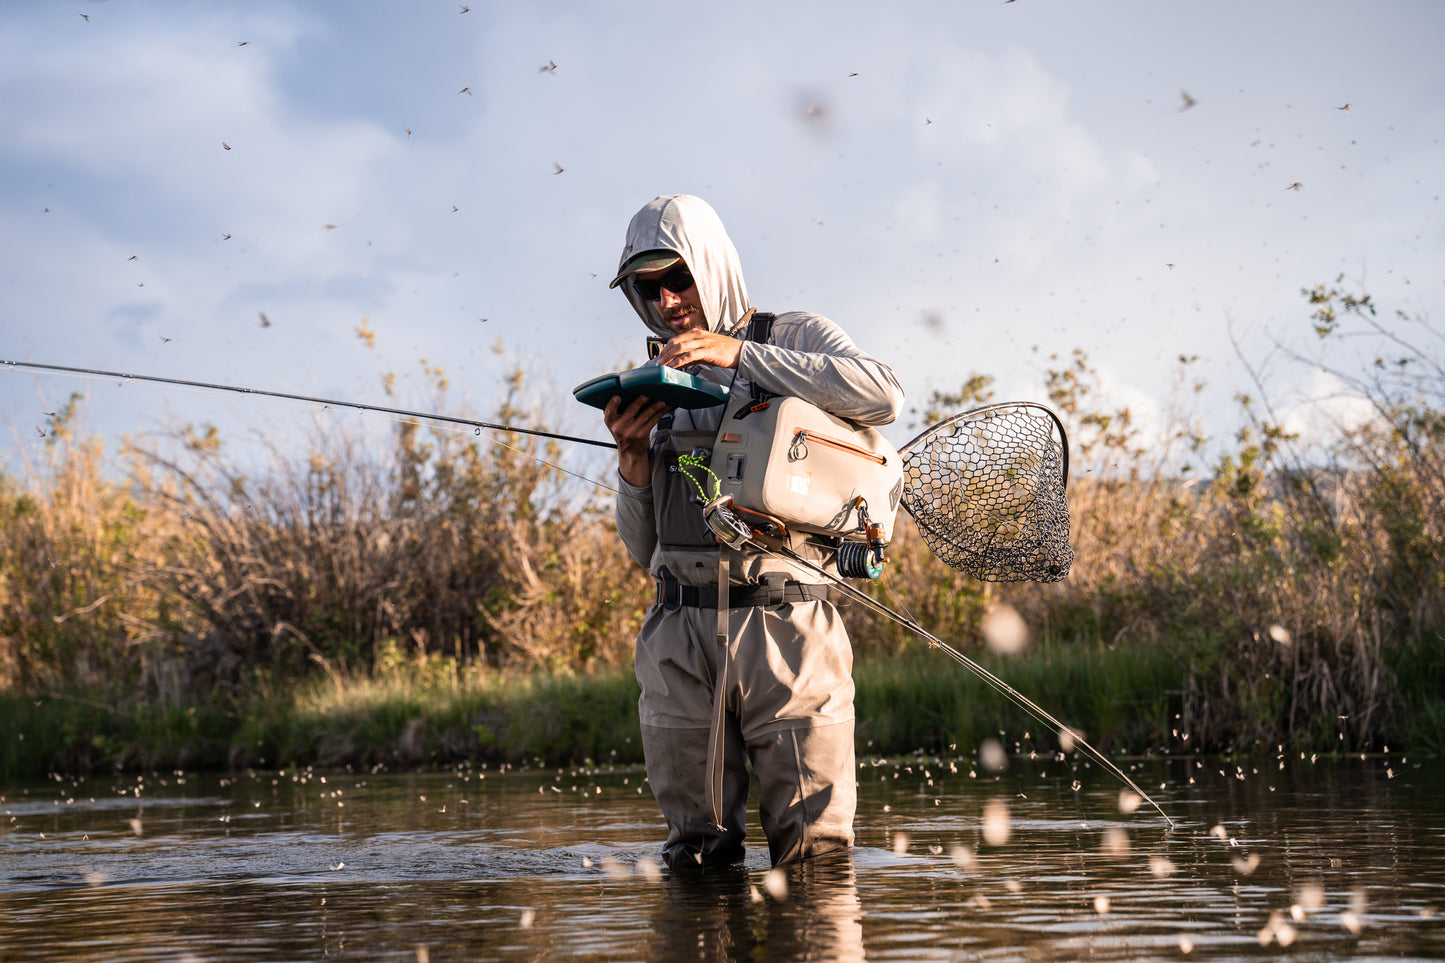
(975, 413)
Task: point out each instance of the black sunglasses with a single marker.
(677, 280)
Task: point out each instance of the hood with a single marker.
(689, 226)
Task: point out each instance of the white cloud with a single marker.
(1320, 408)
(1044, 205)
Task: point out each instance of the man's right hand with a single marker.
(631, 429)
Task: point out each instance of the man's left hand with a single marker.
(701, 347)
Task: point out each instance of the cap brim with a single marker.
(646, 261)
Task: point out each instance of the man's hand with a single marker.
(631, 428)
(701, 347)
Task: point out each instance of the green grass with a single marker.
(1419, 669)
(1119, 700)
(919, 700)
(425, 599)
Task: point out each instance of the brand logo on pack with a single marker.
(798, 484)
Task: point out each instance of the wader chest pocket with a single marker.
(679, 520)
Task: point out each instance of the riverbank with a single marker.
(422, 714)
(428, 596)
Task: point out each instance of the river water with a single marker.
(1324, 859)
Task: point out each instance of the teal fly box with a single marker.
(671, 385)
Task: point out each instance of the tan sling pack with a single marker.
(788, 459)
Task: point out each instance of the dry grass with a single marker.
(75, 610)
(193, 575)
(1300, 598)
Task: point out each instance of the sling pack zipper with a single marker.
(803, 436)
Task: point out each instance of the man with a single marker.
(786, 702)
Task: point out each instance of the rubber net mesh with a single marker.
(986, 490)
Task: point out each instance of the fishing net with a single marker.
(986, 490)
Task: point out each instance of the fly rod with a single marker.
(986, 491)
(934, 471)
(356, 405)
(1029, 706)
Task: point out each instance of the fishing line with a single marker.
(397, 415)
(305, 399)
(925, 489)
(525, 454)
(1039, 714)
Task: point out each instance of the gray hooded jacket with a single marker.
(808, 357)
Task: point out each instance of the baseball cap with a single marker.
(646, 261)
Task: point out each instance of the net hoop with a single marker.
(986, 489)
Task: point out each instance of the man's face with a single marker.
(680, 310)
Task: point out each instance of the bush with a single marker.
(1297, 593)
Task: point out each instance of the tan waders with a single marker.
(787, 708)
(782, 674)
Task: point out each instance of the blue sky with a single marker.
(964, 186)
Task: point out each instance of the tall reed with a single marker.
(76, 607)
(1297, 593)
(1298, 586)
(444, 545)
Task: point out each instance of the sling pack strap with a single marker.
(760, 327)
(760, 330)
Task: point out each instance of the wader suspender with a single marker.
(759, 329)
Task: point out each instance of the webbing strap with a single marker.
(672, 594)
(716, 738)
(759, 329)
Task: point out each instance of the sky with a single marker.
(306, 196)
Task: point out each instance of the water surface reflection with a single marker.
(1337, 859)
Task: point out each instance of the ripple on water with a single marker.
(1342, 863)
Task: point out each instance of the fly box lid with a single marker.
(671, 385)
